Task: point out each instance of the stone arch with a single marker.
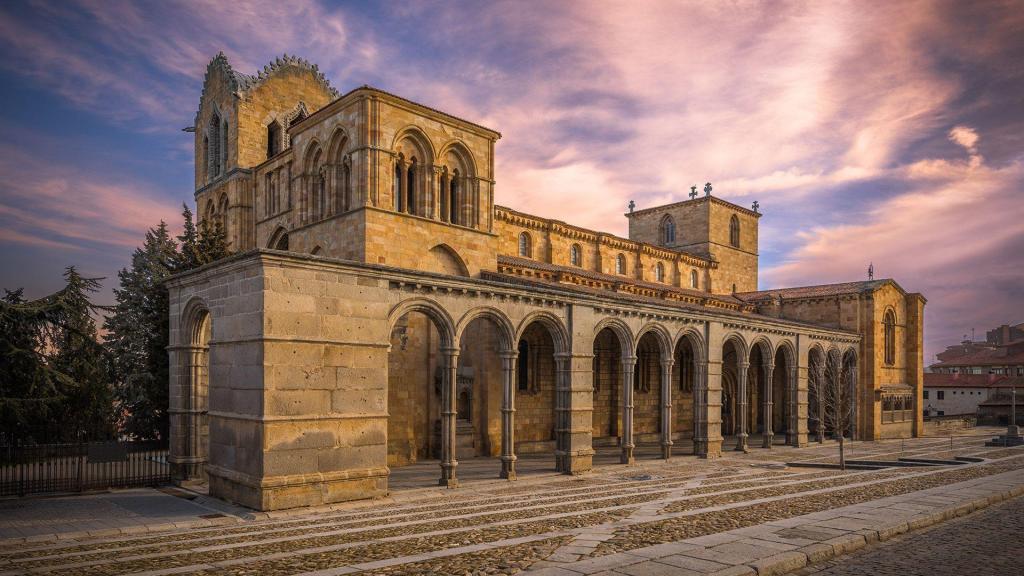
(423, 144)
(785, 394)
(279, 239)
(767, 350)
(433, 310)
(506, 331)
(816, 358)
(447, 261)
(554, 324)
(660, 333)
(737, 340)
(689, 389)
(621, 330)
(338, 143)
(455, 156)
(189, 424)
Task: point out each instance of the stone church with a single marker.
(379, 309)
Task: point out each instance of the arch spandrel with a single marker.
(455, 155)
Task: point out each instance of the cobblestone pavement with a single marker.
(989, 542)
(506, 527)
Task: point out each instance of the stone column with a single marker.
(508, 413)
(793, 420)
(562, 424)
(769, 421)
(700, 409)
(819, 381)
(666, 408)
(448, 441)
(741, 391)
(628, 364)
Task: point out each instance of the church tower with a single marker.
(705, 226)
(242, 121)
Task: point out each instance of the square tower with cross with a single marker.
(706, 226)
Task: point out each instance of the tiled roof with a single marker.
(935, 380)
(821, 290)
(986, 357)
(529, 263)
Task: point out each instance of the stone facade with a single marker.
(381, 310)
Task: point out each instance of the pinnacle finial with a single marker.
(707, 189)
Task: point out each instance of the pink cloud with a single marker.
(44, 205)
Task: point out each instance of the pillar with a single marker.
(508, 413)
(666, 408)
(769, 433)
(562, 424)
(628, 365)
(448, 461)
(741, 392)
(819, 386)
(792, 394)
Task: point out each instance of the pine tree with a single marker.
(200, 244)
(137, 337)
(53, 378)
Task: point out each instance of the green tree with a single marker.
(202, 244)
(53, 379)
(137, 337)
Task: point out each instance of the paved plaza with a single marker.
(741, 514)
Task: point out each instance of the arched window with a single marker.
(694, 279)
(525, 245)
(410, 187)
(445, 215)
(659, 272)
(453, 198)
(268, 200)
(273, 138)
(206, 156)
(620, 264)
(733, 288)
(575, 257)
(224, 146)
(667, 230)
(889, 326)
(213, 150)
(397, 191)
(734, 231)
(346, 186)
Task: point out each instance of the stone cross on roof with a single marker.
(756, 205)
(707, 189)
(693, 192)
(632, 205)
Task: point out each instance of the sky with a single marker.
(879, 132)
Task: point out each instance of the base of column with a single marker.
(741, 444)
(508, 468)
(627, 455)
(448, 478)
(710, 449)
(576, 463)
(666, 450)
(769, 439)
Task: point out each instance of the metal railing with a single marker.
(48, 468)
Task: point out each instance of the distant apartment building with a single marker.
(977, 378)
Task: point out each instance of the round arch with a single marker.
(505, 329)
(311, 156)
(459, 150)
(765, 345)
(738, 342)
(695, 339)
(419, 138)
(660, 333)
(559, 333)
(280, 235)
(621, 331)
(442, 320)
(338, 144)
(194, 314)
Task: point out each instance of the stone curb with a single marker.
(124, 531)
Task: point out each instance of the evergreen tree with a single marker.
(200, 244)
(137, 337)
(53, 374)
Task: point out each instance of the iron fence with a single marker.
(48, 468)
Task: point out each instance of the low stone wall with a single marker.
(946, 426)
